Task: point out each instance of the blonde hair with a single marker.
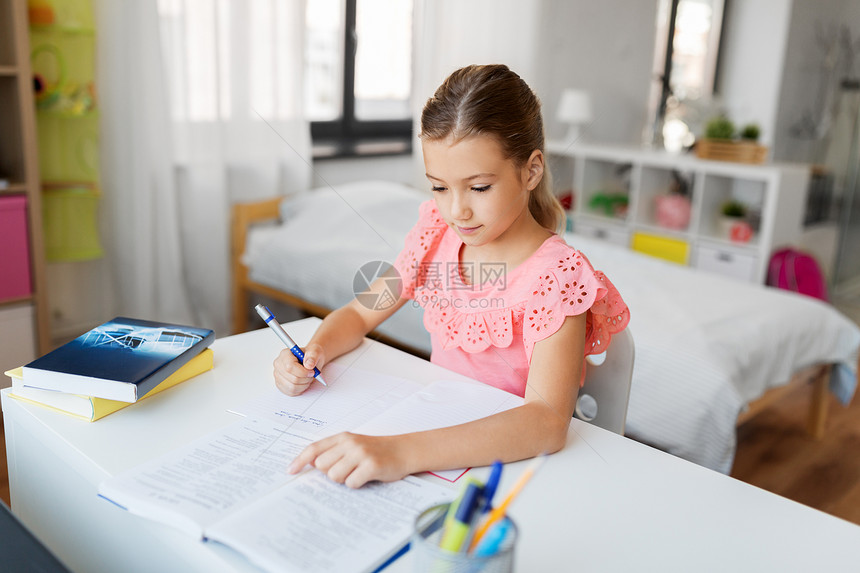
(493, 100)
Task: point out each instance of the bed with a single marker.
(710, 351)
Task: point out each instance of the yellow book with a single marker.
(91, 408)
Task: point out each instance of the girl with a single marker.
(526, 330)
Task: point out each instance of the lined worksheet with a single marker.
(352, 397)
(440, 404)
(363, 402)
(194, 486)
(315, 525)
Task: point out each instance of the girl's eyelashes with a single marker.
(478, 189)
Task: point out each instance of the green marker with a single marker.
(457, 530)
(452, 508)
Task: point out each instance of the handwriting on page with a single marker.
(352, 397)
(292, 417)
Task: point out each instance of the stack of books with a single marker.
(112, 366)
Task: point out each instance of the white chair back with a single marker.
(603, 398)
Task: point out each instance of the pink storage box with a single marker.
(14, 248)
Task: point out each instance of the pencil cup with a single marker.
(429, 557)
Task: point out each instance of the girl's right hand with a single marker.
(293, 378)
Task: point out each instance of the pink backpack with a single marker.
(794, 270)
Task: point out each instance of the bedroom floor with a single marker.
(777, 454)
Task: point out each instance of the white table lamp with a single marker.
(574, 109)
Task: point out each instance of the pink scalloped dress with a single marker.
(487, 330)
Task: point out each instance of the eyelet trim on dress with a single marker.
(423, 238)
(568, 288)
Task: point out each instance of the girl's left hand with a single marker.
(355, 459)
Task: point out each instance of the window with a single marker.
(358, 75)
(693, 47)
(687, 53)
(203, 40)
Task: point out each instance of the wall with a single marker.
(754, 41)
(332, 172)
(81, 295)
(450, 34)
(605, 47)
(808, 83)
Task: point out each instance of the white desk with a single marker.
(604, 503)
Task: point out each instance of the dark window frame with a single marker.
(665, 76)
(345, 135)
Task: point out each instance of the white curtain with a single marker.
(445, 40)
(201, 107)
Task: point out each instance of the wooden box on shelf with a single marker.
(729, 150)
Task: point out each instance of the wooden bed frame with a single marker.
(245, 215)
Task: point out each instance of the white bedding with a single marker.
(705, 345)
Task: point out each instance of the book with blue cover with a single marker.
(122, 359)
(90, 408)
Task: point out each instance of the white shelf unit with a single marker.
(776, 193)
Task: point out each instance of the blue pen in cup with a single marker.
(427, 556)
(492, 485)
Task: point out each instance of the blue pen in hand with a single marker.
(273, 323)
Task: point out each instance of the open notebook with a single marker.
(231, 486)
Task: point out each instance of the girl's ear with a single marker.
(533, 169)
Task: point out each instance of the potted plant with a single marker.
(750, 132)
(722, 142)
(720, 127)
(732, 212)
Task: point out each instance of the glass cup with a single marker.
(428, 557)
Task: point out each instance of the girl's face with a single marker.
(480, 193)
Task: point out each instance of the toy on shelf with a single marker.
(48, 90)
(673, 208)
(40, 12)
(673, 211)
(566, 200)
(609, 204)
(51, 87)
